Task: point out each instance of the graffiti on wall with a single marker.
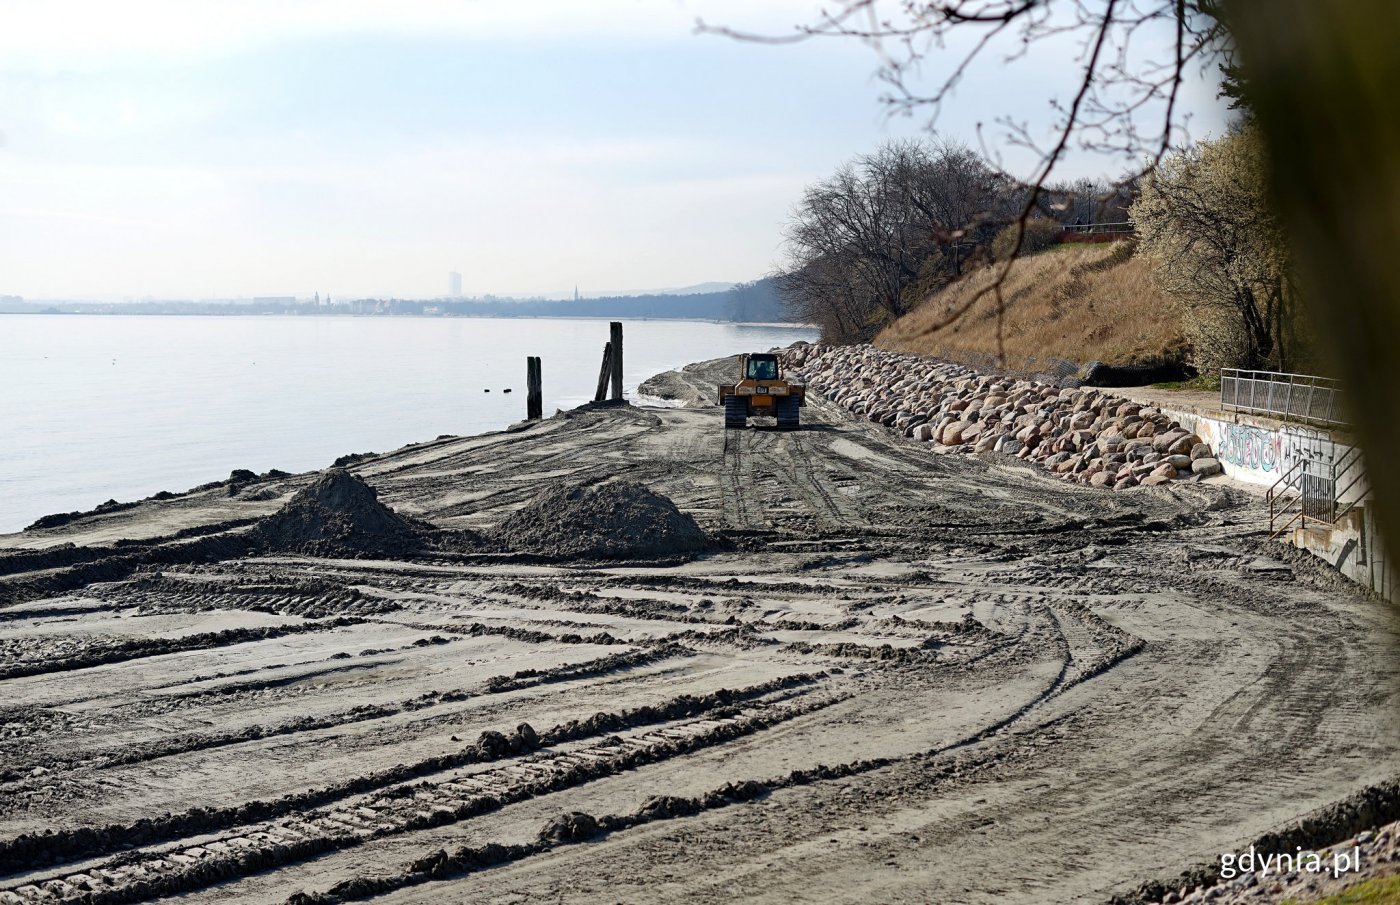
(1245, 446)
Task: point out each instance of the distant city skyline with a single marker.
(159, 148)
(315, 297)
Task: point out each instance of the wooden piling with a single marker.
(604, 374)
(534, 389)
(616, 360)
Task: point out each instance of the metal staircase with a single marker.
(1315, 488)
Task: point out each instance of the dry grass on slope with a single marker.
(1080, 302)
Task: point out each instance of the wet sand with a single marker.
(896, 676)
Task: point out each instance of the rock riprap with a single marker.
(607, 521)
(1082, 433)
(338, 514)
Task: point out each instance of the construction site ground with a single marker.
(898, 677)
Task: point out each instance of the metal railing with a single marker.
(1349, 463)
(1123, 226)
(1311, 490)
(1298, 397)
(1285, 499)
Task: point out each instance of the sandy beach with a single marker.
(885, 675)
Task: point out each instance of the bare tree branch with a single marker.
(1115, 87)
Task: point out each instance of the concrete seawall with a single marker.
(1265, 453)
(1104, 439)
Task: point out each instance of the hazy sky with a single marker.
(360, 147)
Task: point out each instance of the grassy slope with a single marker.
(1379, 891)
(1081, 302)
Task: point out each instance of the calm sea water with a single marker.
(116, 407)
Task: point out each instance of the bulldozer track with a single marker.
(459, 795)
(732, 480)
(803, 477)
(1120, 669)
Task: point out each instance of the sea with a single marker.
(99, 407)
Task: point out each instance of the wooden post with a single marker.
(616, 360)
(534, 402)
(604, 374)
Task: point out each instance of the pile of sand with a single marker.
(606, 521)
(340, 515)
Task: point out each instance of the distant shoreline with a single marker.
(496, 317)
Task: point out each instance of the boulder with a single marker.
(952, 434)
(1184, 446)
(1201, 451)
(1162, 441)
(1154, 480)
(1009, 445)
(1206, 466)
(1180, 462)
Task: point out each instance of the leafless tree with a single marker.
(885, 229)
(1133, 58)
(1319, 77)
(822, 292)
(1204, 218)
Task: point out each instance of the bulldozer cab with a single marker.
(761, 367)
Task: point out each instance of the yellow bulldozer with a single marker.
(761, 390)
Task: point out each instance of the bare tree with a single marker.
(823, 291)
(1205, 219)
(884, 230)
(1133, 57)
(1321, 79)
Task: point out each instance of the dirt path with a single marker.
(909, 678)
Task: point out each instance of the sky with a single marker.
(210, 149)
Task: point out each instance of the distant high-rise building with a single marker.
(454, 284)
